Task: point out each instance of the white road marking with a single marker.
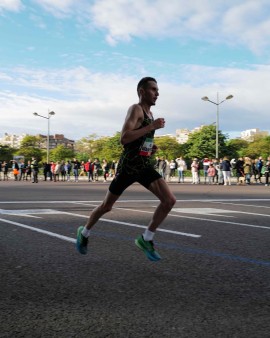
(244, 205)
(196, 218)
(28, 213)
(142, 201)
(45, 232)
(50, 211)
(204, 211)
(136, 225)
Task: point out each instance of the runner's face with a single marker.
(150, 93)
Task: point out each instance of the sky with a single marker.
(83, 59)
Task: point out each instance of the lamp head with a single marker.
(51, 113)
(205, 98)
(229, 97)
(36, 114)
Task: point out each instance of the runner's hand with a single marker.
(159, 123)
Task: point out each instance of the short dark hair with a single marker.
(143, 82)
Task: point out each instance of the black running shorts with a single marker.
(123, 180)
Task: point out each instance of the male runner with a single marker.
(134, 166)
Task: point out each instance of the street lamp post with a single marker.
(50, 114)
(205, 98)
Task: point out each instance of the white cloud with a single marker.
(232, 22)
(64, 8)
(10, 5)
(87, 103)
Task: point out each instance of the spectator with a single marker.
(112, 169)
(1, 170)
(62, 171)
(211, 173)
(22, 170)
(34, 168)
(105, 169)
(161, 167)
(259, 165)
(206, 163)
(15, 169)
(167, 171)
(266, 172)
(181, 167)
(76, 167)
(5, 169)
(172, 168)
(68, 169)
(226, 171)
(247, 169)
(56, 171)
(96, 169)
(194, 171)
(28, 171)
(239, 166)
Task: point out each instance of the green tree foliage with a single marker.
(31, 141)
(203, 143)
(30, 147)
(168, 147)
(236, 148)
(6, 153)
(92, 147)
(61, 153)
(86, 147)
(259, 147)
(109, 148)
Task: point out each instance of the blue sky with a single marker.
(83, 59)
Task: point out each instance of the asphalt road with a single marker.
(212, 281)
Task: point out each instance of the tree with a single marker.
(6, 153)
(31, 141)
(168, 147)
(236, 148)
(109, 148)
(86, 147)
(259, 147)
(203, 143)
(30, 152)
(61, 153)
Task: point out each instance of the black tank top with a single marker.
(136, 155)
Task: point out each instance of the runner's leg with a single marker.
(167, 200)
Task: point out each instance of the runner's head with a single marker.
(144, 82)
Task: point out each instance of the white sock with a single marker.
(148, 235)
(86, 232)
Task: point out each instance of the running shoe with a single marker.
(82, 241)
(148, 248)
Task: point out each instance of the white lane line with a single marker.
(199, 218)
(143, 201)
(243, 205)
(136, 225)
(45, 232)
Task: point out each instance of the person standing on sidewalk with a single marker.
(135, 166)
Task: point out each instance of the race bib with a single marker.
(147, 147)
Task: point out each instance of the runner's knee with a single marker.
(169, 202)
(105, 207)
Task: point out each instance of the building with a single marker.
(56, 140)
(250, 134)
(11, 140)
(182, 135)
(14, 141)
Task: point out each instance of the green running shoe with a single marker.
(82, 241)
(148, 248)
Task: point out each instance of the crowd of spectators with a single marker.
(57, 171)
(216, 171)
(198, 171)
